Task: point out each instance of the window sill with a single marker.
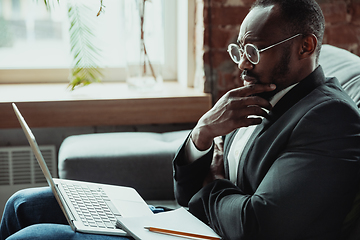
(53, 105)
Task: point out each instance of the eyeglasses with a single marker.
(252, 53)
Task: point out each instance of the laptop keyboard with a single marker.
(92, 205)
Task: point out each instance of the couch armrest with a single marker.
(137, 159)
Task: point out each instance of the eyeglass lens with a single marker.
(235, 53)
(250, 51)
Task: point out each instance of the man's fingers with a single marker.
(253, 111)
(245, 102)
(251, 115)
(245, 122)
(251, 90)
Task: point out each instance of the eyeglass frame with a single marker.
(242, 50)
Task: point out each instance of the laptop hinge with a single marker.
(66, 208)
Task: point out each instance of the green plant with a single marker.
(85, 68)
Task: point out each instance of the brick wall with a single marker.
(222, 20)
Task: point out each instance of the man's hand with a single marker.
(237, 108)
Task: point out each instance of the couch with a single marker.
(144, 160)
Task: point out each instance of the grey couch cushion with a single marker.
(138, 159)
(343, 65)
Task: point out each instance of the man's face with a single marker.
(262, 28)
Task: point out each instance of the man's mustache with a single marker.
(246, 75)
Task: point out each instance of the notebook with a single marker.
(179, 220)
(89, 207)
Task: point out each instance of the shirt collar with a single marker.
(276, 98)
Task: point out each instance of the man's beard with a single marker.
(280, 71)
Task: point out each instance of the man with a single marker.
(290, 165)
(298, 172)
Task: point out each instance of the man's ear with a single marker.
(308, 46)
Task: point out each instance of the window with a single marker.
(34, 42)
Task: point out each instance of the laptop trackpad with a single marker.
(127, 201)
(131, 208)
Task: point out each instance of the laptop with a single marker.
(89, 207)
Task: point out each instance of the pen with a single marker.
(180, 234)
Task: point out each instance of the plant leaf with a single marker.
(85, 69)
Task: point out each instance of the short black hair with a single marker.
(300, 16)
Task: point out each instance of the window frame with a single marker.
(60, 75)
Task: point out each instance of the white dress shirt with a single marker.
(238, 144)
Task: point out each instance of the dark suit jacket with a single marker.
(298, 174)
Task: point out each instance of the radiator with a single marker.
(18, 165)
(19, 169)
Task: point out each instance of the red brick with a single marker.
(341, 34)
(224, 77)
(217, 58)
(247, 3)
(213, 3)
(225, 15)
(226, 3)
(220, 94)
(355, 49)
(329, 1)
(220, 37)
(334, 12)
(227, 80)
(243, 3)
(354, 9)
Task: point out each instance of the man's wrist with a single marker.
(199, 139)
(192, 152)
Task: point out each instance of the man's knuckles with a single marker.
(243, 102)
